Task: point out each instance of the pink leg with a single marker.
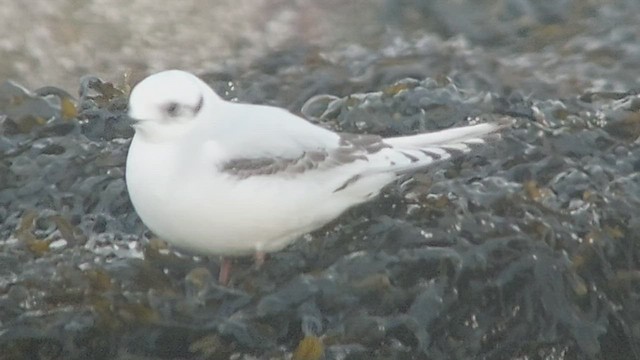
(225, 271)
(259, 258)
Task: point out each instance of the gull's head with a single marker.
(166, 105)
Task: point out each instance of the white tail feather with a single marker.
(422, 150)
(448, 136)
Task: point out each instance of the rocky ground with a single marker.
(526, 249)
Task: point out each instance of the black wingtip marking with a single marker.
(456, 152)
(410, 157)
(431, 154)
(349, 181)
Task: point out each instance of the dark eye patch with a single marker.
(172, 109)
(196, 109)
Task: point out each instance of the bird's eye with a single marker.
(172, 109)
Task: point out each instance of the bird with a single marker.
(223, 178)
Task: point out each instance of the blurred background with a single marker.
(57, 42)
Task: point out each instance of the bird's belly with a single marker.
(225, 216)
(191, 206)
(207, 224)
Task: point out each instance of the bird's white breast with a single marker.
(184, 200)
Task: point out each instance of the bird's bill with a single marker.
(134, 122)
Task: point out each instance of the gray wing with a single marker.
(408, 154)
(352, 147)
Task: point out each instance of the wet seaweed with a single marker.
(525, 249)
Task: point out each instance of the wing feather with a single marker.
(351, 148)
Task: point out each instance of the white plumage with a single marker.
(232, 179)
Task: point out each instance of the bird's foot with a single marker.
(260, 257)
(225, 271)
